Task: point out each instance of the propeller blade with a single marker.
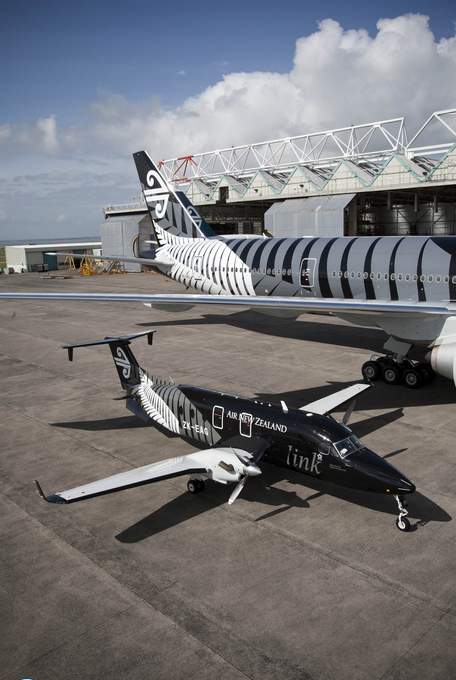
(347, 416)
(237, 490)
(262, 450)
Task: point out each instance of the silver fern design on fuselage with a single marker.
(162, 400)
(153, 404)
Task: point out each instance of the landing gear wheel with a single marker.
(371, 370)
(391, 374)
(413, 378)
(427, 372)
(200, 484)
(192, 485)
(403, 524)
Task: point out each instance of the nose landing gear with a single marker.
(402, 522)
(394, 369)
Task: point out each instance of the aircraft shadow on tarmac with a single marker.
(370, 339)
(381, 396)
(261, 490)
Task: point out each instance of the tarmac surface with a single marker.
(302, 581)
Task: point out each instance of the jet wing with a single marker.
(165, 469)
(328, 404)
(298, 305)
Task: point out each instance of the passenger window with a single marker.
(245, 424)
(217, 417)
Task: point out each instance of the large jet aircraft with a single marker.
(236, 432)
(404, 285)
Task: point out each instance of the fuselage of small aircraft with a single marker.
(306, 442)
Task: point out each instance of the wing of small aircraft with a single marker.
(223, 465)
(328, 404)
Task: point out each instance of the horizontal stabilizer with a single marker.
(106, 341)
(328, 404)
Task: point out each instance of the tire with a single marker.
(412, 378)
(403, 524)
(192, 486)
(427, 372)
(391, 374)
(200, 483)
(370, 370)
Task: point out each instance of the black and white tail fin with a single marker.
(127, 367)
(174, 218)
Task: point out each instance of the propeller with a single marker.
(250, 469)
(350, 409)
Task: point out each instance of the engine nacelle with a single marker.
(443, 354)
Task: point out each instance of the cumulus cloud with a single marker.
(339, 77)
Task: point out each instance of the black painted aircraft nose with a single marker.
(378, 475)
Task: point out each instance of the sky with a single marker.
(85, 85)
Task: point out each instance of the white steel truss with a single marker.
(374, 142)
(368, 141)
(448, 120)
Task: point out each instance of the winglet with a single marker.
(49, 499)
(40, 490)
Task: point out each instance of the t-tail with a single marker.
(128, 369)
(174, 218)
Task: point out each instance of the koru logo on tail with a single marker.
(156, 191)
(196, 217)
(123, 362)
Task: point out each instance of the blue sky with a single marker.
(86, 84)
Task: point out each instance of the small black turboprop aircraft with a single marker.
(238, 432)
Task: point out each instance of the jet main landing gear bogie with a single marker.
(392, 371)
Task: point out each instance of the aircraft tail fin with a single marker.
(127, 366)
(174, 218)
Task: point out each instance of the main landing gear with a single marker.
(402, 522)
(195, 485)
(393, 369)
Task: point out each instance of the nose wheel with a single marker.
(402, 522)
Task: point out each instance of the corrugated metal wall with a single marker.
(117, 234)
(316, 216)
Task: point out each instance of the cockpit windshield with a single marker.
(347, 446)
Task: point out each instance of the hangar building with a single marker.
(37, 257)
(360, 180)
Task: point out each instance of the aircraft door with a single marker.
(308, 272)
(197, 267)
